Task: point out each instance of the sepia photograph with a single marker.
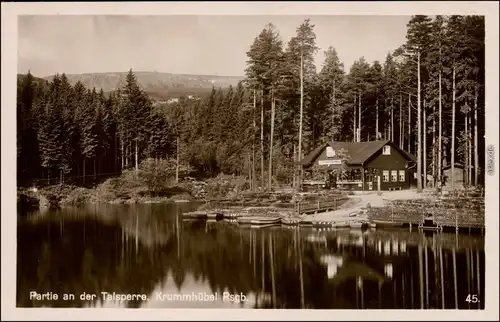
(252, 161)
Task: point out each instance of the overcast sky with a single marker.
(214, 45)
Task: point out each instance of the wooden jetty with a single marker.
(313, 207)
(427, 214)
(414, 238)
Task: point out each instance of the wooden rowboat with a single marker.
(259, 221)
(386, 223)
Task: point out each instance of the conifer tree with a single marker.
(418, 39)
(331, 79)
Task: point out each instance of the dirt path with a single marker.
(352, 210)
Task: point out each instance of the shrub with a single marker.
(157, 175)
(26, 201)
(78, 196)
(224, 186)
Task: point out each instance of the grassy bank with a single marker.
(148, 185)
(154, 182)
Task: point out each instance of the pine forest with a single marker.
(427, 96)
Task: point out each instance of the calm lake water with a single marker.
(150, 250)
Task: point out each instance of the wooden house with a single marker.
(361, 165)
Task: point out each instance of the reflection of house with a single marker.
(333, 263)
(359, 165)
(357, 270)
(388, 248)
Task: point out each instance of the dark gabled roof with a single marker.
(408, 155)
(458, 165)
(359, 152)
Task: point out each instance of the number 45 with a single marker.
(472, 298)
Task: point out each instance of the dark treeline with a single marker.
(427, 96)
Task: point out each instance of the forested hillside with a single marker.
(427, 96)
(158, 86)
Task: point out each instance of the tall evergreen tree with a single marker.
(304, 46)
(28, 97)
(262, 73)
(331, 79)
(418, 39)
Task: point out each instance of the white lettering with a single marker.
(190, 297)
(328, 162)
(34, 295)
(235, 298)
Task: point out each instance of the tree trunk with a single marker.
(359, 119)
(177, 160)
(270, 177)
(95, 169)
(434, 172)
(453, 132)
(469, 153)
(400, 121)
(262, 141)
(392, 118)
(440, 139)
(424, 138)
(334, 131)
(301, 112)
(115, 148)
(84, 170)
(136, 158)
(126, 155)
(409, 123)
(250, 174)
(376, 121)
(419, 130)
(294, 178)
(122, 153)
(354, 136)
(254, 178)
(466, 150)
(476, 159)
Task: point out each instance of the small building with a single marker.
(360, 165)
(173, 100)
(459, 174)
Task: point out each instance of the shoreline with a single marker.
(360, 210)
(354, 210)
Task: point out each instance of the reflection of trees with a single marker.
(133, 250)
(83, 254)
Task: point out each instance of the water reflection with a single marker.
(149, 249)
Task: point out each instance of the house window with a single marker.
(387, 150)
(394, 175)
(386, 175)
(402, 175)
(330, 153)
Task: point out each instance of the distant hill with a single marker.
(38, 80)
(160, 86)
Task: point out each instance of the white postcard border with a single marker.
(10, 11)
